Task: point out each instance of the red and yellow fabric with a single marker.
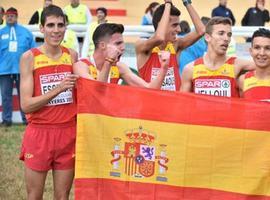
(256, 89)
(134, 147)
(219, 82)
(114, 71)
(151, 68)
(48, 73)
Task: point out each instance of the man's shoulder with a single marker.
(28, 55)
(216, 8)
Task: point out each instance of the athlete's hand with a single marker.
(164, 59)
(113, 52)
(68, 82)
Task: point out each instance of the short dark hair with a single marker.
(66, 18)
(184, 25)
(51, 10)
(104, 30)
(261, 32)
(150, 7)
(159, 12)
(215, 21)
(205, 19)
(102, 9)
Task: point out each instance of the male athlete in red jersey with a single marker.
(109, 46)
(47, 97)
(215, 73)
(255, 85)
(166, 24)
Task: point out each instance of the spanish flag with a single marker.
(142, 144)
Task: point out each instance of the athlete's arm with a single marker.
(242, 65)
(191, 37)
(143, 47)
(186, 79)
(134, 80)
(240, 84)
(74, 56)
(29, 103)
(81, 69)
(103, 75)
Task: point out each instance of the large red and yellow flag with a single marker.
(139, 144)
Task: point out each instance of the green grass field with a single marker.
(12, 186)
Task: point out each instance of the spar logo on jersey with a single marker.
(50, 81)
(215, 87)
(52, 78)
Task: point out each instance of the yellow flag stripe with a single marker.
(227, 159)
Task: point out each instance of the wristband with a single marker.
(110, 60)
(169, 3)
(186, 2)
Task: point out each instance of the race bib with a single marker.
(51, 81)
(215, 87)
(169, 80)
(13, 46)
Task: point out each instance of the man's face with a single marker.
(11, 18)
(118, 41)
(262, 2)
(74, 2)
(100, 15)
(260, 51)
(173, 29)
(220, 38)
(53, 30)
(223, 2)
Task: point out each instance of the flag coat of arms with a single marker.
(134, 143)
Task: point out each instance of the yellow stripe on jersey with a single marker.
(169, 47)
(93, 71)
(114, 72)
(225, 70)
(44, 61)
(254, 82)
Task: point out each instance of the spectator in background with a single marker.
(223, 11)
(70, 39)
(147, 18)
(256, 16)
(14, 41)
(78, 13)
(88, 44)
(35, 19)
(194, 51)
(185, 28)
(2, 13)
